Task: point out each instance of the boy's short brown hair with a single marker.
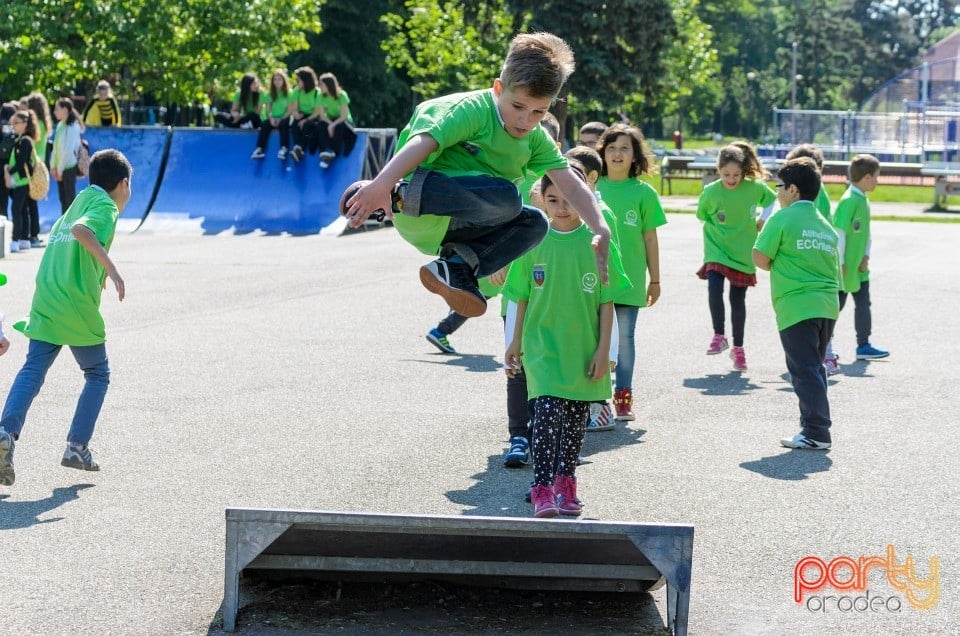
(538, 62)
(862, 166)
(803, 173)
(108, 168)
(807, 150)
(551, 125)
(587, 157)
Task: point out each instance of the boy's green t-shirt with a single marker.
(853, 219)
(332, 105)
(730, 222)
(805, 267)
(823, 203)
(472, 140)
(278, 107)
(66, 303)
(561, 329)
(637, 209)
(306, 101)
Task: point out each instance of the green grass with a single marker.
(883, 194)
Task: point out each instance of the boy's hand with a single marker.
(499, 277)
(366, 201)
(601, 244)
(599, 364)
(114, 275)
(864, 264)
(513, 365)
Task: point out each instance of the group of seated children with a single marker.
(315, 115)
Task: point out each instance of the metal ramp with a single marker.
(594, 556)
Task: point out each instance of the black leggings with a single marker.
(558, 428)
(738, 307)
(20, 214)
(283, 127)
(67, 188)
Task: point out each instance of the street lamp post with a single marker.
(793, 96)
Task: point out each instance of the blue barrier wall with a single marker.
(209, 176)
(143, 147)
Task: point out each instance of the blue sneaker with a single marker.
(519, 453)
(869, 352)
(440, 341)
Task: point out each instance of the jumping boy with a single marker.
(452, 182)
(66, 311)
(852, 222)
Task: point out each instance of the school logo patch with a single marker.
(721, 216)
(856, 225)
(589, 281)
(631, 218)
(539, 275)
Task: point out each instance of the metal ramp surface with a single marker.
(594, 556)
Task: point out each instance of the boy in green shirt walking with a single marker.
(464, 155)
(799, 249)
(852, 221)
(66, 311)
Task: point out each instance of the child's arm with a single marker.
(600, 363)
(376, 194)
(513, 356)
(761, 260)
(89, 241)
(578, 194)
(652, 246)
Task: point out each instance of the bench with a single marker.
(589, 556)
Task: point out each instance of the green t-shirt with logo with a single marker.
(730, 222)
(332, 105)
(823, 203)
(561, 329)
(805, 267)
(637, 209)
(853, 219)
(278, 107)
(66, 303)
(472, 141)
(306, 101)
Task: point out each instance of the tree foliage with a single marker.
(175, 51)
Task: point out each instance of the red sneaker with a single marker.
(623, 404)
(544, 502)
(566, 490)
(739, 359)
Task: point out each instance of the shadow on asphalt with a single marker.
(501, 492)
(23, 514)
(473, 362)
(792, 465)
(831, 380)
(731, 383)
(857, 369)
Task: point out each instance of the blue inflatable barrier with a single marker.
(210, 178)
(144, 147)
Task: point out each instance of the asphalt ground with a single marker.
(292, 372)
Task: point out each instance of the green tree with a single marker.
(445, 46)
(692, 87)
(175, 51)
(349, 47)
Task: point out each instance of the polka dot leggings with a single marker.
(558, 428)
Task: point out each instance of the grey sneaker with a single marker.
(7, 476)
(803, 442)
(79, 456)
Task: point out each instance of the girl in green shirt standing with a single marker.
(561, 340)
(728, 209)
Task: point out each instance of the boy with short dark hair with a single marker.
(852, 222)
(799, 249)
(590, 133)
(66, 311)
(452, 182)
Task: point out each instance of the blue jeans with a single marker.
(489, 225)
(626, 349)
(40, 356)
(804, 345)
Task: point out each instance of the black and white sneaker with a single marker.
(79, 456)
(296, 154)
(7, 474)
(457, 285)
(803, 442)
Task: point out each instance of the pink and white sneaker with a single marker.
(719, 344)
(832, 365)
(739, 359)
(566, 490)
(544, 502)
